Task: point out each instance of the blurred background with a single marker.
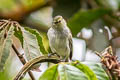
(95, 25)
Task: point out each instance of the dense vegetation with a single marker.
(23, 28)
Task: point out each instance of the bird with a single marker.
(60, 39)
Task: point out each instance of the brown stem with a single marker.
(109, 74)
(114, 76)
(30, 64)
(22, 61)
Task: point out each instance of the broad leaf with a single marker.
(86, 70)
(6, 5)
(85, 18)
(2, 41)
(31, 4)
(39, 39)
(6, 46)
(98, 70)
(30, 45)
(2, 37)
(68, 72)
(23, 6)
(50, 74)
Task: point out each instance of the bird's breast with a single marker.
(59, 41)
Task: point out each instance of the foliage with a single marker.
(85, 18)
(98, 70)
(5, 46)
(33, 46)
(75, 71)
(38, 14)
(39, 39)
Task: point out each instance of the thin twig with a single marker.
(22, 60)
(4, 24)
(98, 54)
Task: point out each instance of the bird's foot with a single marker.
(62, 60)
(36, 69)
(53, 54)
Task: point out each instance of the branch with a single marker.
(22, 60)
(30, 64)
(110, 62)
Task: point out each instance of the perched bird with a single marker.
(60, 39)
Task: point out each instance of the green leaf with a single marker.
(6, 5)
(6, 46)
(30, 45)
(89, 73)
(31, 4)
(2, 40)
(39, 39)
(98, 70)
(68, 72)
(85, 18)
(50, 74)
(2, 37)
(18, 34)
(3, 76)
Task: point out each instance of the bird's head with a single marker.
(58, 21)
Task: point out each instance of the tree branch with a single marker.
(30, 64)
(22, 61)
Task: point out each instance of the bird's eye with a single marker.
(59, 21)
(56, 22)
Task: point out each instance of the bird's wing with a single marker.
(70, 45)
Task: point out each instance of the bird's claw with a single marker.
(52, 54)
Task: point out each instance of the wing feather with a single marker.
(70, 45)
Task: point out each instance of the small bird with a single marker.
(60, 39)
